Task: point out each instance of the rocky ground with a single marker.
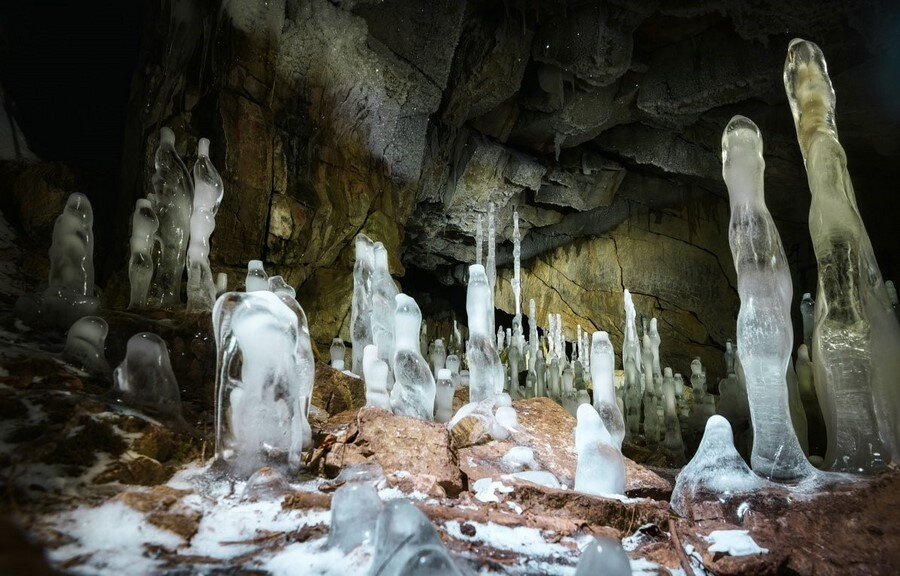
(102, 488)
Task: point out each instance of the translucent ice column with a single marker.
(414, 387)
(361, 304)
(375, 373)
(407, 544)
(443, 398)
(764, 330)
(85, 345)
(631, 347)
(208, 191)
(602, 365)
(172, 199)
(485, 371)
(337, 352)
(601, 469)
(264, 372)
(603, 556)
(140, 266)
(145, 377)
(72, 249)
(856, 338)
(384, 292)
(257, 279)
(354, 512)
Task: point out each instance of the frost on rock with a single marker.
(86, 344)
(208, 192)
(733, 543)
(716, 471)
(354, 511)
(407, 544)
(144, 226)
(856, 337)
(485, 371)
(375, 374)
(145, 377)
(603, 556)
(172, 200)
(257, 279)
(601, 469)
(361, 303)
(602, 365)
(264, 379)
(69, 294)
(764, 331)
(414, 388)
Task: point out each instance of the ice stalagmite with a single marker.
(406, 544)
(257, 279)
(414, 387)
(632, 398)
(221, 283)
(145, 377)
(172, 199)
(337, 353)
(443, 398)
(485, 371)
(856, 338)
(85, 345)
(264, 378)
(631, 347)
(479, 241)
(208, 192)
(517, 270)
(375, 373)
(490, 263)
(533, 339)
(808, 314)
(602, 365)
(279, 285)
(601, 469)
(140, 265)
(603, 556)
(354, 513)
(654, 347)
(764, 330)
(672, 441)
(384, 292)
(716, 470)
(361, 304)
(438, 355)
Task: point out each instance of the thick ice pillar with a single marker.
(361, 304)
(603, 361)
(856, 338)
(208, 191)
(384, 292)
(485, 371)
(764, 331)
(414, 388)
(172, 200)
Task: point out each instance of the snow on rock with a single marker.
(734, 543)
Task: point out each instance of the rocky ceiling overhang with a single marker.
(598, 120)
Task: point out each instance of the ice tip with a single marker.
(800, 51)
(202, 147)
(166, 136)
(718, 424)
(586, 412)
(740, 123)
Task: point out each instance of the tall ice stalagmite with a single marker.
(856, 337)
(764, 331)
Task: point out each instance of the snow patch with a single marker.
(734, 543)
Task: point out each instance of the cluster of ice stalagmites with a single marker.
(261, 409)
(856, 338)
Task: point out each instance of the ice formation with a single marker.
(672, 440)
(631, 347)
(485, 371)
(603, 556)
(145, 377)
(716, 470)
(856, 338)
(439, 355)
(208, 191)
(602, 364)
(384, 292)
(601, 469)
(443, 397)
(221, 283)
(140, 266)
(414, 388)
(654, 339)
(479, 241)
(85, 345)
(361, 304)
(517, 274)
(808, 314)
(490, 263)
(764, 330)
(354, 512)
(733, 543)
(266, 335)
(337, 353)
(375, 373)
(172, 200)
(257, 279)
(279, 285)
(407, 544)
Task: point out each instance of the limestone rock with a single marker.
(337, 392)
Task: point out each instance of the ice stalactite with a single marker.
(414, 388)
(261, 414)
(485, 371)
(764, 330)
(208, 192)
(603, 361)
(856, 338)
(172, 200)
(144, 225)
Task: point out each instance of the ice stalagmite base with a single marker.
(856, 337)
(764, 330)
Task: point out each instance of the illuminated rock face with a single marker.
(856, 337)
(764, 331)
